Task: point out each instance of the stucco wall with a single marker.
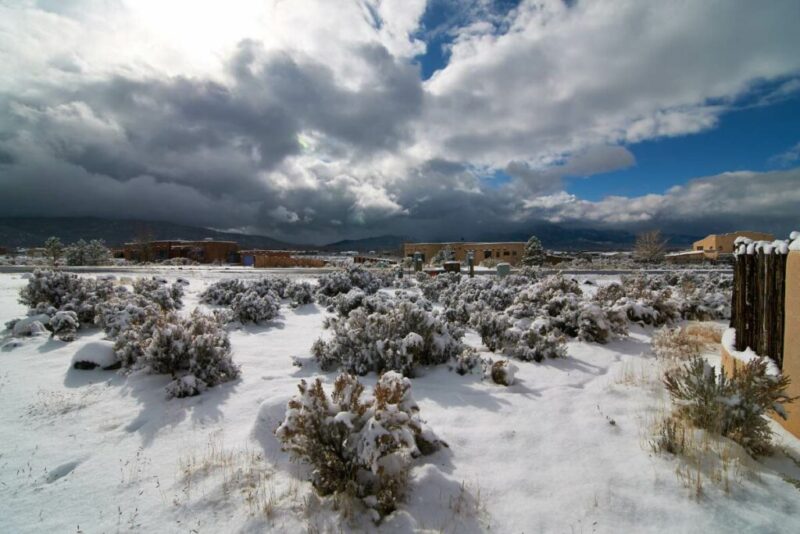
(510, 252)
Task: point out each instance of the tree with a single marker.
(97, 253)
(144, 244)
(534, 252)
(54, 249)
(650, 246)
(75, 254)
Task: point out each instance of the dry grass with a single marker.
(228, 472)
(683, 343)
(708, 333)
(701, 457)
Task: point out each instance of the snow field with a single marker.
(96, 451)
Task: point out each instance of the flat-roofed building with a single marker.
(509, 252)
(206, 251)
(723, 243)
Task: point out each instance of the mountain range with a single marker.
(32, 231)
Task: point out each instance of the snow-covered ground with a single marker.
(564, 449)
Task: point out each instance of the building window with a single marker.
(506, 253)
(487, 254)
(498, 254)
(513, 252)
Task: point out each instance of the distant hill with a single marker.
(32, 231)
(382, 243)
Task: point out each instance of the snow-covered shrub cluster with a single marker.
(733, 407)
(299, 293)
(65, 300)
(194, 350)
(704, 297)
(259, 300)
(253, 306)
(525, 339)
(337, 282)
(158, 290)
(558, 305)
(468, 361)
(383, 334)
(468, 296)
(120, 311)
(642, 299)
(222, 292)
(64, 325)
(432, 286)
(359, 446)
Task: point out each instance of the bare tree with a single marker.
(650, 246)
(144, 243)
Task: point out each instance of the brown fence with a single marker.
(757, 308)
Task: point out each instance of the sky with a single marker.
(313, 120)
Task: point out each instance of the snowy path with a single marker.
(93, 451)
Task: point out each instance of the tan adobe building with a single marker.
(509, 252)
(723, 243)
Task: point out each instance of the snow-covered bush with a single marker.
(194, 350)
(158, 290)
(33, 325)
(64, 325)
(252, 307)
(432, 286)
(223, 292)
(704, 297)
(119, 312)
(337, 282)
(471, 295)
(299, 293)
(733, 407)
(467, 362)
(503, 372)
(344, 303)
(359, 446)
(643, 300)
(525, 339)
(561, 302)
(382, 335)
(50, 292)
(94, 252)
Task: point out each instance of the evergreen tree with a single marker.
(534, 252)
(54, 249)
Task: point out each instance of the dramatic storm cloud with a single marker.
(317, 120)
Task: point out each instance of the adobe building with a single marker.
(508, 252)
(206, 251)
(715, 247)
(277, 258)
(723, 243)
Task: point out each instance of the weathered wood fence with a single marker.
(757, 308)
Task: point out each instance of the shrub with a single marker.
(194, 350)
(119, 312)
(432, 286)
(382, 336)
(503, 372)
(731, 407)
(338, 282)
(222, 292)
(252, 307)
(467, 362)
(520, 338)
(358, 447)
(158, 290)
(299, 293)
(64, 325)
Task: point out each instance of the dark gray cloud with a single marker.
(317, 134)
